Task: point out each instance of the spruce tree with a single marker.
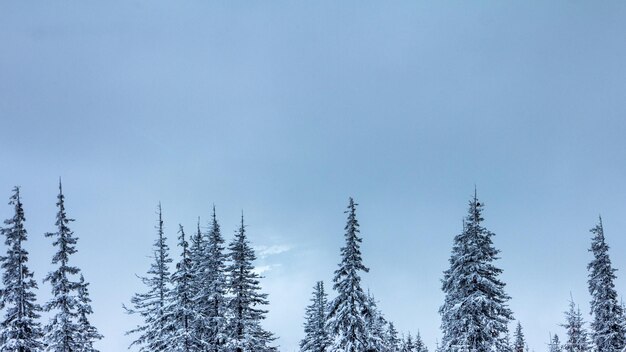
(555, 344)
(211, 298)
(375, 324)
(577, 337)
(346, 318)
(197, 271)
(62, 333)
(179, 309)
(520, 343)
(407, 344)
(316, 338)
(88, 334)
(419, 344)
(245, 333)
(154, 332)
(19, 330)
(393, 341)
(607, 326)
(475, 312)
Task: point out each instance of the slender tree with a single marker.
(419, 344)
(376, 326)
(577, 337)
(88, 334)
(607, 326)
(475, 314)
(245, 333)
(62, 333)
(211, 298)
(393, 341)
(346, 320)
(316, 337)
(153, 333)
(19, 330)
(520, 342)
(555, 345)
(179, 309)
(407, 344)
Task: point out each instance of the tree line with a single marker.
(475, 315)
(211, 299)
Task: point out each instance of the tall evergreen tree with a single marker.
(211, 297)
(577, 337)
(62, 333)
(475, 312)
(245, 333)
(179, 309)
(197, 272)
(520, 342)
(19, 330)
(607, 327)
(555, 344)
(316, 337)
(88, 334)
(419, 344)
(407, 344)
(376, 326)
(154, 333)
(346, 319)
(393, 341)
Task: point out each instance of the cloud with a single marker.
(266, 251)
(264, 268)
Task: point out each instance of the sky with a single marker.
(285, 109)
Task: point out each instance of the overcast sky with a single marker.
(286, 108)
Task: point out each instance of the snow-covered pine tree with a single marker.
(62, 333)
(179, 309)
(245, 333)
(577, 337)
(211, 298)
(346, 318)
(153, 333)
(419, 344)
(407, 344)
(88, 334)
(475, 314)
(519, 344)
(316, 338)
(393, 341)
(376, 325)
(197, 271)
(19, 330)
(555, 344)
(607, 327)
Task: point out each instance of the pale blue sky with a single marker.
(286, 108)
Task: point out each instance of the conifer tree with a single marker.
(211, 298)
(316, 337)
(520, 343)
(376, 326)
(197, 271)
(419, 344)
(407, 344)
(179, 310)
(154, 333)
(19, 330)
(346, 318)
(577, 337)
(88, 334)
(245, 333)
(62, 334)
(607, 326)
(475, 312)
(393, 341)
(554, 344)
